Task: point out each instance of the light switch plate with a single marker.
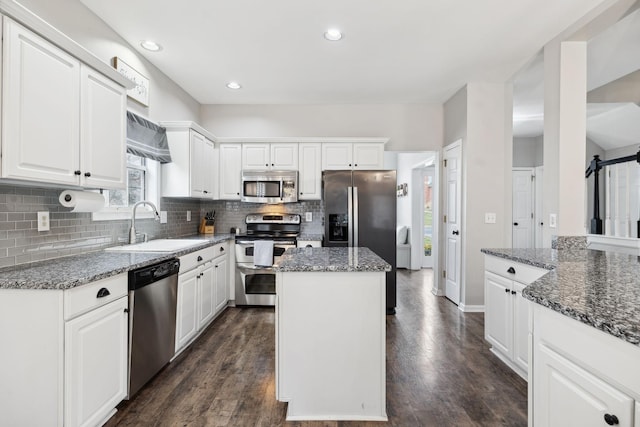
(489, 218)
(308, 216)
(163, 217)
(553, 220)
(43, 221)
(188, 216)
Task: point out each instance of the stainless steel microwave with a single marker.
(269, 186)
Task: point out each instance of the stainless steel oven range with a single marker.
(256, 285)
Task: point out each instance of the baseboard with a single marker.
(471, 308)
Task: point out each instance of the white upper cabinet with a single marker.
(62, 122)
(192, 171)
(284, 156)
(357, 155)
(230, 171)
(274, 156)
(310, 176)
(103, 131)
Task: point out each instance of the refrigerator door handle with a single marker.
(355, 216)
(350, 214)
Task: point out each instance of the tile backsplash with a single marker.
(75, 233)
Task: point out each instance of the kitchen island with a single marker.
(330, 334)
(584, 336)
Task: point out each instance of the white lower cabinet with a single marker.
(506, 320)
(203, 291)
(581, 376)
(64, 358)
(95, 364)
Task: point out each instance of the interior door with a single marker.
(538, 214)
(453, 214)
(522, 209)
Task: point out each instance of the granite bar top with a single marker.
(598, 288)
(72, 271)
(331, 259)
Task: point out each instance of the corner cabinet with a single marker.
(507, 312)
(62, 121)
(193, 170)
(581, 376)
(230, 171)
(356, 155)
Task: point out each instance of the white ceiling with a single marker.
(410, 51)
(611, 55)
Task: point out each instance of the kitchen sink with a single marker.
(159, 245)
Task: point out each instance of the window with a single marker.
(142, 184)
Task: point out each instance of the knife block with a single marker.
(206, 226)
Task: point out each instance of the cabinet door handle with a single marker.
(513, 292)
(455, 232)
(199, 258)
(87, 174)
(507, 291)
(126, 310)
(103, 292)
(611, 419)
(77, 172)
(221, 249)
(511, 270)
(515, 223)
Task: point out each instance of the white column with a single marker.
(565, 112)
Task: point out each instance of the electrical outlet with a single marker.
(553, 220)
(489, 218)
(188, 216)
(308, 216)
(43, 221)
(163, 217)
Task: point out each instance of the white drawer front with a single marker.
(85, 298)
(220, 249)
(513, 270)
(192, 260)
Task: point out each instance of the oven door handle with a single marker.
(253, 270)
(275, 243)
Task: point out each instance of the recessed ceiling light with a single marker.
(333, 34)
(150, 45)
(234, 85)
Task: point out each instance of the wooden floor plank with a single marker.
(439, 372)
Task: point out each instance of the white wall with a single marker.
(486, 184)
(167, 101)
(410, 127)
(527, 152)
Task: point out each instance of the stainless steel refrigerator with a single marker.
(360, 210)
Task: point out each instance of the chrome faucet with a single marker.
(132, 230)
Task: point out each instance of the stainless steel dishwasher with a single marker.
(152, 320)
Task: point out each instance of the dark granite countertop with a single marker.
(598, 288)
(69, 272)
(331, 259)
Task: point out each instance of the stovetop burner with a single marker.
(278, 227)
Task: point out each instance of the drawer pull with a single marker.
(199, 258)
(513, 292)
(611, 419)
(507, 290)
(103, 292)
(222, 249)
(511, 270)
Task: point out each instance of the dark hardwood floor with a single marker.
(439, 372)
